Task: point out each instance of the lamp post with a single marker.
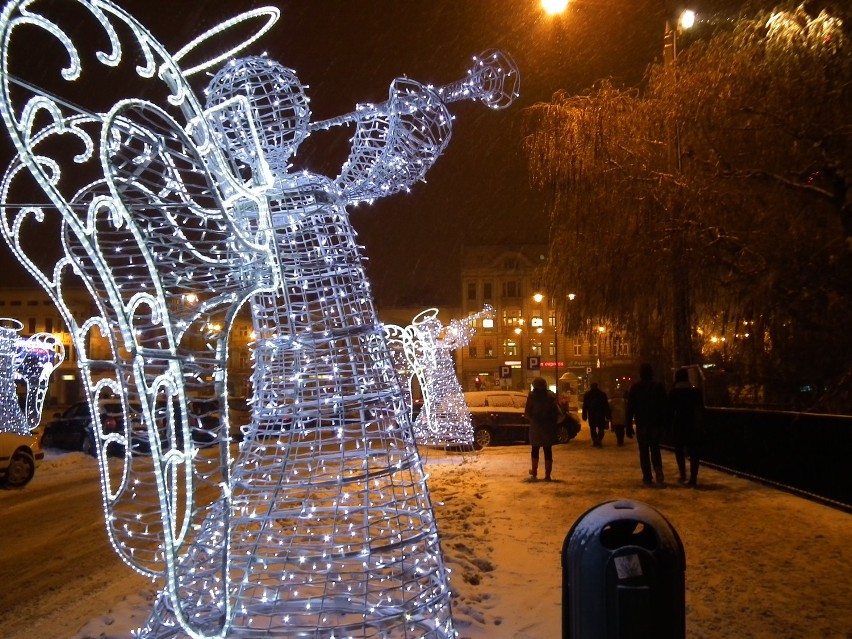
(681, 311)
(538, 298)
(684, 21)
(519, 332)
(601, 330)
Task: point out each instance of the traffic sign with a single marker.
(505, 372)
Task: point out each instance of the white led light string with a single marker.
(12, 419)
(322, 526)
(445, 418)
(36, 358)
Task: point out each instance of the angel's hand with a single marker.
(493, 80)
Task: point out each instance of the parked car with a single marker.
(73, 429)
(207, 411)
(20, 455)
(498, 417)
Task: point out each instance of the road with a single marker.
(54, 549)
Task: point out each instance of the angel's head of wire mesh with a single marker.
(258, 106)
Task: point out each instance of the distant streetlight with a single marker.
(552, 7)
(601, 331)
(538, 298)
(686, 20)
(519, 331)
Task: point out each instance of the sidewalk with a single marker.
(760, 563)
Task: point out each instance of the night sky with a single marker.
(348, 51)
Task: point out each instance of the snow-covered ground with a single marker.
(760, 563)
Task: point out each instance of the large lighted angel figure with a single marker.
(173, 214)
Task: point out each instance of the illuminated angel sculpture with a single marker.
(321, 525)
(30, 361)
(12, 418)
(36, 358)
(444, 419)
(400, 344)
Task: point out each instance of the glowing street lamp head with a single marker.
(687, 19)
(552, 7)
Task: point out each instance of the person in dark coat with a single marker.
(686, 403)
(596, 411)
(542, 411)
(617, 411)
(647, 404)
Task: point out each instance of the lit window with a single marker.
(488, 348)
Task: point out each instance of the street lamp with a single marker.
(681, 313)
(685, 21)
(538, 298)
(601, 331)
(519, 332)
(552, 7)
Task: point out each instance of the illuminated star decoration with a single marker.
(322, 525)
(445, 418)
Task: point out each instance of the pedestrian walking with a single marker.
(543, 413)
(618, 413)
(647, 404)
(596, 411)
(686, 403)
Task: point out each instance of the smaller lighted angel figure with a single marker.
(427, 345)
(31, 362)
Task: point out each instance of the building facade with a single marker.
(527, 337)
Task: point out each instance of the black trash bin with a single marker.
(623, 570)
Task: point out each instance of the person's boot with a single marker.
(534, 470)
(548, 466)
(658, 471)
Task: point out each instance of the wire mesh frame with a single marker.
(164, 291)
(30, 361)
(36, 358)
(445, 419)
(12, 419)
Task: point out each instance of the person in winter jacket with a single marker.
(617, 411)
(686, 403)
(542, 411)
(647, 405)
(596, 411)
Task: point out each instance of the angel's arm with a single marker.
(398, 141)
(393, 147)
